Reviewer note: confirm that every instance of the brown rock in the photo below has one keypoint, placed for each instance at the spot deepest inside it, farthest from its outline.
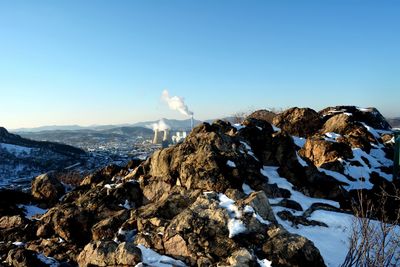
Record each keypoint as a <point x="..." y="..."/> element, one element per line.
<point x="8" y="222"/>
<point x="47" y="188"/>
<point x="262" y="114"/>
<point x="21" y="257"/>
<point x="109" y="253"/>
<point x="320" y="151"/>
<point x="286" y="249"/>
<point x="298" y="121"/>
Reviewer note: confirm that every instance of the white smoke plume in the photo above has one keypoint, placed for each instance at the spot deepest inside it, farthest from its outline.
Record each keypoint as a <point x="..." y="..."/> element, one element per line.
<point x="161" y="125"/>
<point x="176" y="103"/>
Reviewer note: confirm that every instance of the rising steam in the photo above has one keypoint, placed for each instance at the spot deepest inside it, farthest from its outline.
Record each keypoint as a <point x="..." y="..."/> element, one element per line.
<point x="161" y="125"/>
<point x="176" y="103"/>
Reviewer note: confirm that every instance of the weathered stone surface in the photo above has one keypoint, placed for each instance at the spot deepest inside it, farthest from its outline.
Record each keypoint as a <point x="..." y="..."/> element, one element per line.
<point x="109" y="253"/>
<point x="262" y="114"/>
<point x="298" y="121"/>
<point x="285" y="249"/>
<point x="320" y="151"/>
<point x="47" y="188"/>
<point x="21" y="257"/>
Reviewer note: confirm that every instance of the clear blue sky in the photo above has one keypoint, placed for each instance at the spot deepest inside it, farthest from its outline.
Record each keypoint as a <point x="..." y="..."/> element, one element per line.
<point x="107" y="62"/>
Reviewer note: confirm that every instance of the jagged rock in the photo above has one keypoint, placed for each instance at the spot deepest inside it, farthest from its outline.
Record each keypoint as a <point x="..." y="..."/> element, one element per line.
<point x="370" y="116"/>
<point x="241" y="257"/>
<point x="104" y="175"/>
<point x="290" y="204"/>
<point x="286" y="249"/>
<point x="47" y="188"/>
<point x="296" y="220"/>
<point x="107" y="228"/>
<point x="198" y="163"/>
<point x="109" y="253"/>
<point x="352" y="131"/>
<point x="201" y="231"/>
<point x="16" y="228"/>
<point x="67" y="221"/>
<point x="21" y="257"/>
<point x="263" y="114"/>
<point x="259" y="135"/>
<point x="259" y="202"/>
<point x="7" y="222"/>
<point x="322" y="152"/>
<point x="57" y="248"/>
<point x="298" y="121"/>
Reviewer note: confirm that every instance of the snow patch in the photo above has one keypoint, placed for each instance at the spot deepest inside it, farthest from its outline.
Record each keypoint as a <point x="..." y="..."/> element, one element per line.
<point x="235" y="226"/>
<point x="246" y="189"/>
<point x="32" y="210"/>
<point x="51" y="262"/>
<point x="152" y="258"/>
<point x="264" y="263"/>
<point x="18" y="244"/>
<point x="299" y="141"/>
<point x="271" y="172"/>
<point x="231" y="164"/>
<point x="301" y="161"/>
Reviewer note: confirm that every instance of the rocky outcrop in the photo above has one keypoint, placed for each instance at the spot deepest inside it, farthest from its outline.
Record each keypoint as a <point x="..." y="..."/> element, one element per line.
<point x="298" y="121"/>
<point x="47" y="188"/>
<point x="326" y="154"/>
<point x="205" y="201"/>
<point x="263" y="115"/>
<point x="287" y="249"/>
<point x="109" y="253"/>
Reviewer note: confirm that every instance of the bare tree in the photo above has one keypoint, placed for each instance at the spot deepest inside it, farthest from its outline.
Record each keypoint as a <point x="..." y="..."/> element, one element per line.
<point x="375" y="239"/>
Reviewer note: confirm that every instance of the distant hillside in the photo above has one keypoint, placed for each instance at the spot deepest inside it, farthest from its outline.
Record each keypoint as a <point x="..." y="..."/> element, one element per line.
<point x="21" y="159"/>
<point x="394" y="122"/>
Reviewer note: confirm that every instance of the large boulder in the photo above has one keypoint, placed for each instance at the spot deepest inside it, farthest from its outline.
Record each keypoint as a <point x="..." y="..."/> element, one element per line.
<point x="352" y="132"/>
<point x="47" y="188"/>
<point x="324" y="153"/>
<point x="21" y="257"/>
<point x="262" y="114"/>
<point x="286" y="249"/>
<point x="298" y="121"/>
<point x="370" y="116"/>
<point x="109" y="253"/>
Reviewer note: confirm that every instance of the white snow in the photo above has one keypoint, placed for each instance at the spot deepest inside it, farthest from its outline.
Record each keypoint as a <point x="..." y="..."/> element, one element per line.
<point x="231" y="164"/>
<point x="299" y="141"/>
<point x="305" y="201"/>
<point x="246" y="189"/>
<point x="235" y="227"/>
<point x="126" y="205"/>
<point x="48" y="260"/>
<point x="152" y="258"/>
<point x="331" y="136"/>
<point x="301" y="161"/>
<point x="247" y="146"/>
<point x="239" y="126"/>
<point x="18" y="244"/>
<point x="264" y="263"/>
<point x="276" y="129"/>
<point x="15" y="149"/>
<point x="32" y="210"/>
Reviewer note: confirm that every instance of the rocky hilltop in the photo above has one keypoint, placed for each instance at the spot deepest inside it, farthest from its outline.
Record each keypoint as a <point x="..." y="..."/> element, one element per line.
<point x="251" y="194"/>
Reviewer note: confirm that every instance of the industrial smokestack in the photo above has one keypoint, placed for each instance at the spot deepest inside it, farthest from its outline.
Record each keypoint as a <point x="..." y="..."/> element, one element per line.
<point x="167" y="136"/>
<point x="157" y="137"/>
<point x="191" y="122"/>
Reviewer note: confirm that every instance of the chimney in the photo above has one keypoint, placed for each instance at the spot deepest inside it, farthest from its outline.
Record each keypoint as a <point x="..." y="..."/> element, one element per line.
<point x="191" y="123"/>
<point x="157" y="136"/>
<point x="167" y="136"/>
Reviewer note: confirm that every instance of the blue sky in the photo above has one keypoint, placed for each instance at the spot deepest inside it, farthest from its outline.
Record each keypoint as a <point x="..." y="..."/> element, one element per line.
<point x="107" y="62"/>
